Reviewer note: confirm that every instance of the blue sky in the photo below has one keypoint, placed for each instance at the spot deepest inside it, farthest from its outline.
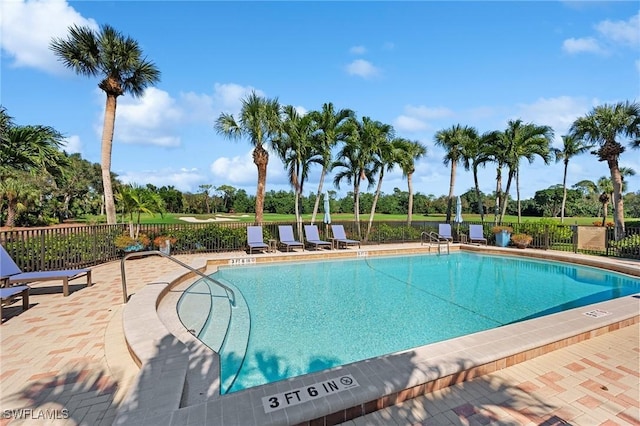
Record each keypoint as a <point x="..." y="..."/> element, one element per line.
<point x="420" y="66"/>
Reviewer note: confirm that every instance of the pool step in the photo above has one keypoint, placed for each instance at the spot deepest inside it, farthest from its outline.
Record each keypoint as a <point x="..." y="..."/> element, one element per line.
<point x="217" y="325"/>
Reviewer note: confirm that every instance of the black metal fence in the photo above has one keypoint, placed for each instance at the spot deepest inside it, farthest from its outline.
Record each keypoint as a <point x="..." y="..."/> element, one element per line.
<point x="81" y="246"/>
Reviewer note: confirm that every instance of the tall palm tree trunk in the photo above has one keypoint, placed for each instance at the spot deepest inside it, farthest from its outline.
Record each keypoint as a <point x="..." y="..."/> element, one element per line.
<point x="373" y="206"/>
<point x="518" y="195"/>
<point x="452" y="184"/>
<point x="410" y="205"/>
<point x="616" y="179"/>
<point x="316" y="205"/>
<point x="496" y="218"/>
<point x="12" y="209"/>
<point x="298" y="196"/>
<point x="477" y="186"/>
<point x="105" y="157"/>
<point x="505" y="197"/>
<point x="564" y="190"/>
<point x="605" y="212"/>
<point x="356" y="207"/>
<point x="260" y="159"/>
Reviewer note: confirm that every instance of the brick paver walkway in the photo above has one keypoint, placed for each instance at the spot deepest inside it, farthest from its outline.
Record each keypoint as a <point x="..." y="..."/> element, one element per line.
<point x="591" y="383"/>
<point x="64" y="362"/>
<point x="66" y="357"/>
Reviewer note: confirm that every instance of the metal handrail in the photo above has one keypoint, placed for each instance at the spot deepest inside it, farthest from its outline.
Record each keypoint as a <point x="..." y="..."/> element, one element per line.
<point x="232" y="299"/>
<point x="433" y="237"/>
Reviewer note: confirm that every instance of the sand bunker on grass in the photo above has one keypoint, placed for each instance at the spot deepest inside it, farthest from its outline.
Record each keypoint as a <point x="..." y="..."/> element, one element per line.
<point x="192" y="219"/>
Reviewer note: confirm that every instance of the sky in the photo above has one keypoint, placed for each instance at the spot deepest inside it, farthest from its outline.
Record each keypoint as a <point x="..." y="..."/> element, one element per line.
<point x="420" y="66"/>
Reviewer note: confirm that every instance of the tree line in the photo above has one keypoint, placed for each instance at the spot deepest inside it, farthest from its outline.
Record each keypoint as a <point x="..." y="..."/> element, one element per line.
<point x="365" y="148"/>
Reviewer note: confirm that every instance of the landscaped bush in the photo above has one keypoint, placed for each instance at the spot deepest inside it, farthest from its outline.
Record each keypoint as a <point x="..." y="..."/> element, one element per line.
<point x="629" y="245"/>
<point x="384" y="232"/>
<point x="547" y="227"/>
<point x="65" y="248"/>
<point x="210" y="238"/>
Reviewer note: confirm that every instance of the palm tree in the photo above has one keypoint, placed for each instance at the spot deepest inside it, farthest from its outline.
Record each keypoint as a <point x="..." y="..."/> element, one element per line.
<point x="331" y="126"/>
<point x="454" y="140"/>
<point x="205" y="190"/>
<point x="119" y="61"/>
<point x="6" y="122"/>
<point x="31" y="148"/>
<point x="570" y="148"/>
<point x="523" y="140"/>
<point x="356" y="160"/>
<point x="297" y="151"/>
<point x="18" y="191"/>
<point x="384" y="157"/>
<point x="477" y="153"/>
<point x="137" y="200"/>
<point x="602" y="126"/>
<point x="259" y="121"/>
<point x="409" y="152"/>
<point x="494" y="149"/>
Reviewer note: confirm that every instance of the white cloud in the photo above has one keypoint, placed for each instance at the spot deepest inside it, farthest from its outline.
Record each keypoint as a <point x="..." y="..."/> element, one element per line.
<point x="624" y="32"/>
<point x="301" y="110"/>
<point x="409" y="124"/>
<point x="149" y="120"/>
<point x="559" y="113"/>
<point x="416" y="118"/>
<point x="228" y="97"/>
<point x="238" y="170"/>
<point x="609" y="34"/>
<point x="197" y="106"/>
<point x="72" y="144"/>
<point x="362" y="68"/>
<point x="358" y="50"/>
<point x="579" y="45"/>
<point x="182" y="179"/>
<point x="27" y="28"/>
<point x="241" y="171"/>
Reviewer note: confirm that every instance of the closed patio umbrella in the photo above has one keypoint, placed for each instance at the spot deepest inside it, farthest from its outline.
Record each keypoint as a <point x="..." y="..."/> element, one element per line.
<point x="458" y="218"/>
<point x="327" y="212"/>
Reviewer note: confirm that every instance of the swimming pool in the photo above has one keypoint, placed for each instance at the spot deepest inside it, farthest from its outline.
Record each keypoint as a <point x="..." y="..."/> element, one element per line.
<point x="305" y="317"/>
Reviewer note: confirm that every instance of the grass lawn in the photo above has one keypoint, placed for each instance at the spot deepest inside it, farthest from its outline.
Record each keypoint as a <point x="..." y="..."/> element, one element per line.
<point x="346" y="217"/>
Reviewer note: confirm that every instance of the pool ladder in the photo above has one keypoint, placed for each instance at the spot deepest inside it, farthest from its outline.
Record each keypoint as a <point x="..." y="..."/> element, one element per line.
<point x="433" y="237"/>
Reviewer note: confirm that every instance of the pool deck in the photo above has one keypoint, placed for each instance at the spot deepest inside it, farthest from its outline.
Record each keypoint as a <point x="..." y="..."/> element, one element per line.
<point x="66" y="358"/>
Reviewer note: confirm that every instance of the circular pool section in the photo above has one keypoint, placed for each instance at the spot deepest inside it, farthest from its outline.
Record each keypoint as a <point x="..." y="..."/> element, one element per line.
<point x="296" y="318"/>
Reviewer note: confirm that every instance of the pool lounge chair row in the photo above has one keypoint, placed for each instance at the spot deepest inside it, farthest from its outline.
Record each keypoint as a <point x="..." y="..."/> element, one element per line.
<point x="476" y="233"/>
<point x="255" y="239"/>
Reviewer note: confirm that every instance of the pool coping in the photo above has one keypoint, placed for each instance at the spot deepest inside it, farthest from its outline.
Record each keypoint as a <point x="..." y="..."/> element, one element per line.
<point x="169" y="355"/>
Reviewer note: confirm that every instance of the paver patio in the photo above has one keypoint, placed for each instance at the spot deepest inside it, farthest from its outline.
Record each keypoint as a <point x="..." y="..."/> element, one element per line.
<point x="64" y="362"/>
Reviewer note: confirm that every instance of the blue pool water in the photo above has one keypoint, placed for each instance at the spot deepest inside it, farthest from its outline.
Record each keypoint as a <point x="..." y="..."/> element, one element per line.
<point x="306" y="317"/>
